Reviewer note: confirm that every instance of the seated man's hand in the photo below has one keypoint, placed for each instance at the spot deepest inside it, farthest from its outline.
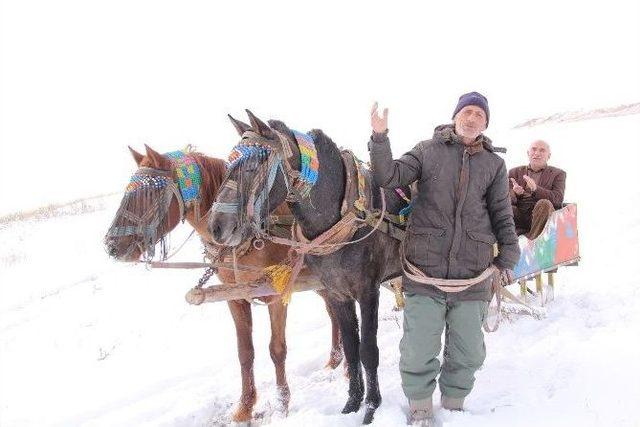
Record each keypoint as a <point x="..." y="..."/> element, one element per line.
<point x="531" y="184"/>
<point x="517" y="188"/>
<point x="379" y="124"/>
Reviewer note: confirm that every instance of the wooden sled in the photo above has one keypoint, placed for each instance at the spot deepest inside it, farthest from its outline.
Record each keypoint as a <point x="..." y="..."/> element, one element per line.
<point x="555" y="247"/>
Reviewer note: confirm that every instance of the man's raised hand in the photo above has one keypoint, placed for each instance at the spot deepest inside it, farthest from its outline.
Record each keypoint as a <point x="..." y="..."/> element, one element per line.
<point x="379" y="124"/>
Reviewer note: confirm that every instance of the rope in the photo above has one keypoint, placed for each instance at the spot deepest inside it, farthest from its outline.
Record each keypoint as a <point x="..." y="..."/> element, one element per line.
<point x="458" y="285"/>
<point x="446" y="285"/>
<point x="497" y="287"/>
<point x="303" y="247"/>
<point x="183" y="243"/>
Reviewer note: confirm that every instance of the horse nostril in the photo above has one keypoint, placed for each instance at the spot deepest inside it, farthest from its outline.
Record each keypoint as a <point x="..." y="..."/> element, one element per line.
<point x="111" y="247"/>
<point x="217" y="231"/>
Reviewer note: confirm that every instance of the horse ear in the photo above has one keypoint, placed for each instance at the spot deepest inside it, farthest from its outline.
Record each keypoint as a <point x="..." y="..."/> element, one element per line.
<point x="136" y="156"/>
<point x="241" y="127"/>
<point x="157" y="159"/>
<point x="259" y="126"/>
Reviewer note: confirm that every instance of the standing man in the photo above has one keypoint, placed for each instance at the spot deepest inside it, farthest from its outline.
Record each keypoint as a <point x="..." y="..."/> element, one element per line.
<point x="460" y="210"/>
<point x="536" y="190"/>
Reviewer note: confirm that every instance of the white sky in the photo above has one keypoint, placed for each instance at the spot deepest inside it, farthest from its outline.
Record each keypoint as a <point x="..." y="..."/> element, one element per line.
<point x="81" y="80"/>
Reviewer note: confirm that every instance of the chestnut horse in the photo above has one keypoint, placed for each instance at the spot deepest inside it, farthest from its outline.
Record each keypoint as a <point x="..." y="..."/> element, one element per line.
<point x="155" y="202"/>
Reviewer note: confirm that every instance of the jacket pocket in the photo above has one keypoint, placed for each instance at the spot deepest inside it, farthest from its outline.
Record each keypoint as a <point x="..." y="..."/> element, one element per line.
<point x="479" y="248"/>
<point x="425" y="245"/>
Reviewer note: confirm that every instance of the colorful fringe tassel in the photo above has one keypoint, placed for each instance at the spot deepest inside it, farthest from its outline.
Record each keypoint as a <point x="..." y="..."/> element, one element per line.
<point x="280" y="274"/>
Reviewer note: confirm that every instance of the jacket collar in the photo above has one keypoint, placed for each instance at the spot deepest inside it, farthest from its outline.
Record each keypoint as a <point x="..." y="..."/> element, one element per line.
<point x="445" y="134"/>
<point x="539" y="170"/>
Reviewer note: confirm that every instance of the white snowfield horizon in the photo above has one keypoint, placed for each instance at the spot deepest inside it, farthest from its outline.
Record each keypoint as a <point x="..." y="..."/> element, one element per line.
<point x="86" y="341"/>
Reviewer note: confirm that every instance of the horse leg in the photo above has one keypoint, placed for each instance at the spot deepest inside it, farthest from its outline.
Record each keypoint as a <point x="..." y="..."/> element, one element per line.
<point x="335" y="355"/>
<point x="369" y="351"/>
<point x="241" y="313"/>
<point x="345" y="312"/>
<point x="278" y="350"/>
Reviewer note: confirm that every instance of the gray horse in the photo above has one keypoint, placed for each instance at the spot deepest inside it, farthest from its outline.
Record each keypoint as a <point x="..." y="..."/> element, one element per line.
<point x="351" y="273"/>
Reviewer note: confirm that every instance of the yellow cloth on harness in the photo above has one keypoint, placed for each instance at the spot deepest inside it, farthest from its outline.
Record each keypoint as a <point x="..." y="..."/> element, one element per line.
<point x="280" y="275"/>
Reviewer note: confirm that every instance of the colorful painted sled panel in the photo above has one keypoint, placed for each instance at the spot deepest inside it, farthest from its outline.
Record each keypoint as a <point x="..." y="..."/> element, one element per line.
<point x="557" y="245"/>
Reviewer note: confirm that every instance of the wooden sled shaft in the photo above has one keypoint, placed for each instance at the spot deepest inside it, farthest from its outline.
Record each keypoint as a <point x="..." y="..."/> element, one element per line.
<point x="246" y="291"/>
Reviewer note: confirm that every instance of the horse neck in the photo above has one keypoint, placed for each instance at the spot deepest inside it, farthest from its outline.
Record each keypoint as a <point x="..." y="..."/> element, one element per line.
<point x="212" y="170"/>
<point x="327" y="193"/>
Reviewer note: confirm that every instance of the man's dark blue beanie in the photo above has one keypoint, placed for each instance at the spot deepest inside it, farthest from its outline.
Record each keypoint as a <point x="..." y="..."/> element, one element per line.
<point x="472" y="98"/>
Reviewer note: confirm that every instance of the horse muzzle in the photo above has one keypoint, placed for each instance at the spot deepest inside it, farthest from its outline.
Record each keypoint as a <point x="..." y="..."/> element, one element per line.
<point x="224" y="229"/>
<point x="124" y="249"/>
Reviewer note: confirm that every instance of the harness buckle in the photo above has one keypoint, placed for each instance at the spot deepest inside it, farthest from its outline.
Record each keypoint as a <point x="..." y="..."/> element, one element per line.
<point x="292" y="196"/>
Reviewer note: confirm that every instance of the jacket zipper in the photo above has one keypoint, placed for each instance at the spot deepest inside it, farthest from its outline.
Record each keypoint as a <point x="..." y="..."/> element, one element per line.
<point x="461" y="195"/>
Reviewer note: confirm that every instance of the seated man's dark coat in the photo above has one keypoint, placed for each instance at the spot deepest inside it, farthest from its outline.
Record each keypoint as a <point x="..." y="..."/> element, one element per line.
<point x="550" y="186"/>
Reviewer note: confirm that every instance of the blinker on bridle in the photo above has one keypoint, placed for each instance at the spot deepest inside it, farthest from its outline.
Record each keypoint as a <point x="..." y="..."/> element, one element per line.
<point x="273" y="156"/>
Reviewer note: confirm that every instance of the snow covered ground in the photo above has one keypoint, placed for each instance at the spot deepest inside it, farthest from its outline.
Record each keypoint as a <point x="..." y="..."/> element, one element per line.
<point x="87" y="341"/>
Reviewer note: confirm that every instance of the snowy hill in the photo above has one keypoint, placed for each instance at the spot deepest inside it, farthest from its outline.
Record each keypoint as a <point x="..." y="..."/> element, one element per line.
<point x="86" y="341"/>
<point x="576" y="116"/>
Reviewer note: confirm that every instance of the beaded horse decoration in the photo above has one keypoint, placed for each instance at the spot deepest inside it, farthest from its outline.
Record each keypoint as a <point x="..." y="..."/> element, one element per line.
<point x="147" y="198"/>
<point x="308" y="163"/>
<point x="189" y="177"/>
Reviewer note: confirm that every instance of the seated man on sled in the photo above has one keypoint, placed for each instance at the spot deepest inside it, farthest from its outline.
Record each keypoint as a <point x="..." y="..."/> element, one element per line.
<point x="537" y="189"/>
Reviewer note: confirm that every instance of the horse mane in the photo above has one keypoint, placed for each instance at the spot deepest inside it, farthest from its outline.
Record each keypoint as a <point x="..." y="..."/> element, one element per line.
<point x="321" y="140"/>
<point x="213" y="171"/>
<point x="280" y="127"/>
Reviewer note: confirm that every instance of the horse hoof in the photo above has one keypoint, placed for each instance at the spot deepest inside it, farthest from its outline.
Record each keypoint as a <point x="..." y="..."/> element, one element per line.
<point x="353" y="404"/>
<point x="368" y="416"/>
<point x="242" y="415"/>
<point x="282" y="406"/>
<point x="335" y="359"/>
<point x="333" y="363"/>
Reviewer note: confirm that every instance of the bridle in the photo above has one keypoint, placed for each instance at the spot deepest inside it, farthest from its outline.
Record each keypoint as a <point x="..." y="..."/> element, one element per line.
<point x="147" y="224"/>
<point x="279" y="158"/>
